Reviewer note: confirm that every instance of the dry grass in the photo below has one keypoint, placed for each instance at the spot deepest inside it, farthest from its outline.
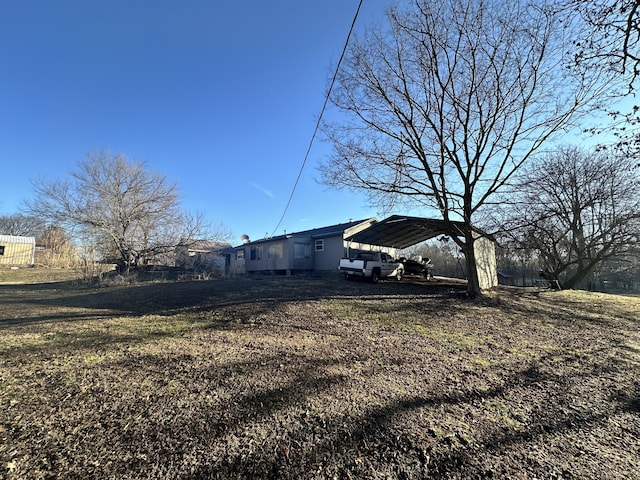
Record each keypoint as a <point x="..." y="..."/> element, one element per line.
<point x="32" y="275"/>
<point x="316" y="378"/>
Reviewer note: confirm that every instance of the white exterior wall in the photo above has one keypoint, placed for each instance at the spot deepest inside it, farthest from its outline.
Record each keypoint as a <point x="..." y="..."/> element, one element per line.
<point x="485" y="250"/>
<point x="17" y="250"/>
<point x="354" y="246"/>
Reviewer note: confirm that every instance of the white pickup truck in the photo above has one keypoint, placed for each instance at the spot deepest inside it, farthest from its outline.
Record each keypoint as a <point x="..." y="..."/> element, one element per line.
<point x="372" y="266"/>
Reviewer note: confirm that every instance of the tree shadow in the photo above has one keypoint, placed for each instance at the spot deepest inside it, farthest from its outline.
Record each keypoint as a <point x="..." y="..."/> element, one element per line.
<point x="297" y="444"/>
<point x="555" y="309"/>
<point x="348" y="443"/>
<point x="167" y="299"/>
<point x="303" y="444"/>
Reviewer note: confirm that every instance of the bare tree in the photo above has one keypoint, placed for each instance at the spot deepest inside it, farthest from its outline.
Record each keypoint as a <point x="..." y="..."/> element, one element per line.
<point x="577" y="210"/>
<point x="58" y="248"/>
<point x="446" y="104"/>
<point x="130" y="212"/>
<point x="611" y="36"/>
<point x="20" y="225"/>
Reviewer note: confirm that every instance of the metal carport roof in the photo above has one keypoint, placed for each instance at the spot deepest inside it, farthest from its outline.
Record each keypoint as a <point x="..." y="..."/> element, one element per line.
<point x="399" y="231"/>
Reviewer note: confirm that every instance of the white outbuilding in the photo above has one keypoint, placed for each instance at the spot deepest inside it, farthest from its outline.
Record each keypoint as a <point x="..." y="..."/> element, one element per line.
<point x="15" y="250"/>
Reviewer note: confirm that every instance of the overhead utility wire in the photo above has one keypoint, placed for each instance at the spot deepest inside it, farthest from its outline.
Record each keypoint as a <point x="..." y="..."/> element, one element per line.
<point x="324" y="106"/>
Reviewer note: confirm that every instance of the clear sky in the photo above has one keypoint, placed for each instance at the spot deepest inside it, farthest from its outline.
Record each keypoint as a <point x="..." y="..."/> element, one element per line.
<point x="220" y="96"/>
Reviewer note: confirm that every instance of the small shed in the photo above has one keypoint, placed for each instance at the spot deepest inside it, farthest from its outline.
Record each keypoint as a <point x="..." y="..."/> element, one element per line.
<point x="16" y="250"/>
<point x="505" y="279"/>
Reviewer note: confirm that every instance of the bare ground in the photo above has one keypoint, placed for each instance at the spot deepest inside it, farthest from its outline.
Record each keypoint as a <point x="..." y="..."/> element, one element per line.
<point x="316" y="378"/>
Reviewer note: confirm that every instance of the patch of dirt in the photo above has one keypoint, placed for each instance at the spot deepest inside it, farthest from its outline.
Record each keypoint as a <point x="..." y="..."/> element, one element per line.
<point x="316" y="378"/>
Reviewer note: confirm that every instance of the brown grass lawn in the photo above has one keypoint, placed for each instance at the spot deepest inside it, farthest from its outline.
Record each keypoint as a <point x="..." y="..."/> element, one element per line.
<point x="31" y="275"/>
<point x="316" y="378"/>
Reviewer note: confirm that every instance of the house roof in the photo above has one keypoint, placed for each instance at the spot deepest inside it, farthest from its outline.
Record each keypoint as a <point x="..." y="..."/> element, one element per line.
<point x="206" y="246"/>
<point x="334" y="229"/>
<point x="400" y="231"/>
<point x="321" y="232"/>
<point x="17" y="239"/>
<point x="396" y="231"/>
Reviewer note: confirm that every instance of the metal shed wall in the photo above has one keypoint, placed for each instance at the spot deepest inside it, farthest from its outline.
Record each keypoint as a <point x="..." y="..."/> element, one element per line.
<point x="15" y="250"/>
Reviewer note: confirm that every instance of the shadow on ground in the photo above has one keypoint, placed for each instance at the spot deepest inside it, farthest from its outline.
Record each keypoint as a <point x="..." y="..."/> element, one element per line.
<point x="172" y="297"/>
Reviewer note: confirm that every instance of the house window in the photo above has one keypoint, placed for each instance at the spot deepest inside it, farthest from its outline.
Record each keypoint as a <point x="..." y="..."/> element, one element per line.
<point x="256" y="252"/>
<point x="1" y="249"/>
<point x="319" y="245"/>
<point x="274" y="250"/>
<point x="240" y="254"/>
<point x="301" y="250"/>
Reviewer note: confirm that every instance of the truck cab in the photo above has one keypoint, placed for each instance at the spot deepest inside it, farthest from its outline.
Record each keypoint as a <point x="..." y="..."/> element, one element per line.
<point x="372" y="266"/>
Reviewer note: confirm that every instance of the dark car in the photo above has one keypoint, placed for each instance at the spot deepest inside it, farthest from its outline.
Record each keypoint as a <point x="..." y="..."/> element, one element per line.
<point x="417" y="266"/>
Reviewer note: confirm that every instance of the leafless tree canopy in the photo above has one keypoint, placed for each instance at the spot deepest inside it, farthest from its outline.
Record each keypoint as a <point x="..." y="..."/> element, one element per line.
<point x="130" y="212"/>
<point x="612" y="34"/>
<point x="21" y="225"/>
<point x="577" y="209"/>
<point x="59" y="250"/>
<point x="442" y="107"/>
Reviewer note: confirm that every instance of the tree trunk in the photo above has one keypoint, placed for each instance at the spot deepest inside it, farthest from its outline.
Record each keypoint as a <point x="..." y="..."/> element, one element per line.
<point x="578" y="276"/>
<point x="473" y="281"/>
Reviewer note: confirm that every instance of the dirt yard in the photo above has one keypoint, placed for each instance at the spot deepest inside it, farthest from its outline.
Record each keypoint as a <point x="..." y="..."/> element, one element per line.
<point x="316" y="378"/>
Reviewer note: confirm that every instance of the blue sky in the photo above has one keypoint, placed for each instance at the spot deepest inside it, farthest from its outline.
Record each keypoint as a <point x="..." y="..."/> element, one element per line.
<point x="220" y="96"/>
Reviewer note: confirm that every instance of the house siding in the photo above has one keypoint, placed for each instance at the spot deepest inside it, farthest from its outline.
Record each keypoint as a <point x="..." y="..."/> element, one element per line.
<point x="16" y="250"/>
<point x="328" y="259"/>
<point x="237" y="262"/>
<point x="301" y="263"/>
<point x="299" y="252"/>
<point x="265" y="256"/>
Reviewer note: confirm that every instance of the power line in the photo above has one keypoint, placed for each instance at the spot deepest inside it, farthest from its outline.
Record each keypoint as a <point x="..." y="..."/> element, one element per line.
<point x="324" y="106"/>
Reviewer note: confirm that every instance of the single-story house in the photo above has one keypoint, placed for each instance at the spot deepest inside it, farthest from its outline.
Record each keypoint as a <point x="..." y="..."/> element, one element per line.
<point x="206" y="255"/>
<point x="16" y="250"/>
<point x="318" y="250"/>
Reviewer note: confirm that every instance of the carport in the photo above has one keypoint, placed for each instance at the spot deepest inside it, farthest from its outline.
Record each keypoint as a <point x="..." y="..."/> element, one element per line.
<point x="400" y="231"/>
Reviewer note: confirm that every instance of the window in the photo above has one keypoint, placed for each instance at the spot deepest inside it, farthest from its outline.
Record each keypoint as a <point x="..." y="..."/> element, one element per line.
<point x="240" y="254"/>
<point x="1" y="249"/>
<point x="319" y="245"/>
<point x="275" y="250"/>
<point x="256" y="252"/>
<point x="301" y="250"/>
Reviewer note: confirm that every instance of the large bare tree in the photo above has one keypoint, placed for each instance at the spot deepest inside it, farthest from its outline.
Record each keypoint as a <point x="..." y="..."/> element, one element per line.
<point x="444" y="105"/>
<point x="577" y="209"/>
<point x="21" y="225"/>
<point x="130" y="212"/>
